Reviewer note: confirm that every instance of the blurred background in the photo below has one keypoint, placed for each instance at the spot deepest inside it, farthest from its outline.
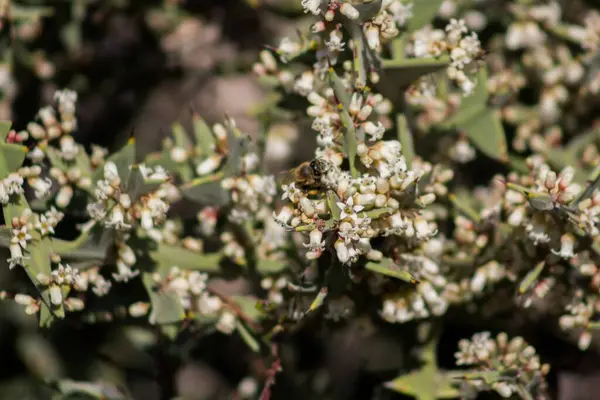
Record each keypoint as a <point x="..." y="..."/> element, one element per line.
<point x="138" y="66"/>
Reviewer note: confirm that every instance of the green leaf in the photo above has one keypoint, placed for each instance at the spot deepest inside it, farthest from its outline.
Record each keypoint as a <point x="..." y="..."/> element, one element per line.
<point x="123" y="159"/>
<point x="531" y="277"/>
<point x="428" y="382"/>
<point x="368" y="9"/>
<point x="83" y="162"/>
<point x="181" y="138"/>
<point x="248" y="307"/>
<point x="405" y="138"/>
<point x="488" y="377"/>
<point x="55" y="158"/>
<point x="332" y="200"/>
<point x="248" y="338"/>
<point x="38" y="250"/>
<point x="487" y="134"/>
<point x="388" y="268"/>
<point x="464" y="208"/>
<point x="205" y="139"/>
<point x="74" y="389"/>
<point x="480" y="122"/>
<point x="236" y="148"/>
<point x="342" y="93"/>
<point x="4" y="129"/>
<point x="319" y="300"/>
<point x="28" y="13"/>
<point x="86" y="250"/>
<point x="137" y="185"/>
<point x="424" y="11"/>
<point x="271" y="266"/>
<point x="380" y="212"/>
<point x="590" y="189"/>
<point x="350" y="142"/>
<point x="167" y="256"/>
<point x="11" y="158"/>
<point x="398" y="74"/>
<point x="166" y="307"/>
<point x="206" y="190"/>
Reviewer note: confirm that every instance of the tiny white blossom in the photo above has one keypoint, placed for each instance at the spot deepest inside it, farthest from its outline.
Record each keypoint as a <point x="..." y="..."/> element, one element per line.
<point x="311" y="6"/>
<point x="349" y="209"/>
<point x="21" y="236"/>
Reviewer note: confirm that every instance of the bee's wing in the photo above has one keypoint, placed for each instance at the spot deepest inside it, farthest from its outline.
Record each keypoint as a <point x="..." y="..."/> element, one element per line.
<point x="286" y="177"/>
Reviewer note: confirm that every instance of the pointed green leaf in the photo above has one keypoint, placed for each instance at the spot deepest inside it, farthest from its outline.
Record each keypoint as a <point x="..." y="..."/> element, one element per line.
<point x="388" y="268"/>
<point x="236" y="146"/>
<point x="319" y="300"/>
<point x="271" y="266"/>
<point x="398" y="74"/>
<point x="464" y="208"/>
<point x="248" y="307"/>
<point x="123" y="159"/>
<point x="206" y="190"/>
<point x="380" y="212"/>
<point x="423" y="13"/>
<point x="248" y="338"/>
<point x="531" y="277"/>
<point x="405" y="138"/>
<point x="4" y="129"/>
<point x="342" y="93"/>
<point x="181" y="138"/>
<point x="350" y="142"/>
<point x="138" y="186"/>
<point x="205" y="139"/>
<point x="55" y="158"/>
<point x="166" y="307"/>
<point x="167" y="256"/>
<point x="332" y="200"/>
<point x="487" y="134"/>
<point x="11" y="158"/>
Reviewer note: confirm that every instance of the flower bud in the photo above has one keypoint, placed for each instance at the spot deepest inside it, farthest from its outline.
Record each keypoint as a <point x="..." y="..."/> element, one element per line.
<point x="349" y="11"/>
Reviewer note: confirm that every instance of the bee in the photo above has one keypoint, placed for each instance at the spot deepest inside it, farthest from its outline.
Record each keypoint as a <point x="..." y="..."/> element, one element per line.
<point x="308" y="174"/>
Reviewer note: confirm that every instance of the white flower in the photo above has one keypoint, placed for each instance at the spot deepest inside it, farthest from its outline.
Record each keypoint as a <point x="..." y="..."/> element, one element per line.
<point x="312" y="6"/>
<point x="13" y="183"/>
<point x="56" y="297"/>
<point x="349" y="11"/>
<point x="349" y="210"/>
<point x="316" y="244"/>
<point x="342" y="251"/>
<point x="36" y="155"/>
<point x="284" y="216"/>
<point x="401" y="12"/>
<point x="41" y="186"/>
<point x="44" y="225"/>
<point x="125" y="273"/>
<point x="462" y="152"/>
<point x="21" y="236"/>
<point x="247" y="388"/>
<point x="64" y="196"/>
<point x="226" y="323"/>
<point x="68" y="148"/>
<point x="3" y="194"/>
<point x="335" y="42"/>
<point x="567" y="244"/>
<point x="375" y="131"/>
<point x="287" y="48"/>
<point x="16" y="254"/>
<point x="117" y="219"/>
<point x="111" y="173"/>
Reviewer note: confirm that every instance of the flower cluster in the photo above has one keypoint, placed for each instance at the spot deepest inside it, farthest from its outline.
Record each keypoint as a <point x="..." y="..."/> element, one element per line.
<point x="516" y="363"/>
<point x="115" y="207"/>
